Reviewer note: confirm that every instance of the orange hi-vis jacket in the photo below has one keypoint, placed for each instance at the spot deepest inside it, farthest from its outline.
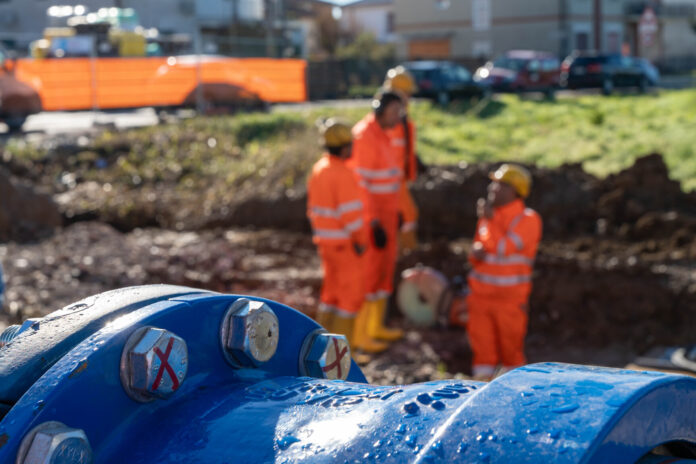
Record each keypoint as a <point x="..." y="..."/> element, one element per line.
<point x="334" y="206"/>
<point x="376" y="167"/>
<point x="401" y="144"/>
<point x="510" y="239"/>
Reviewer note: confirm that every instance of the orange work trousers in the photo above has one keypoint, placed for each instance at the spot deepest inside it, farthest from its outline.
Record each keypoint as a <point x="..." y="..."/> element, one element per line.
<point x="380" y="265"/>
<point x="496" y="328"/>
<point x="343" y="287"/>
<point x="407" y="209"/>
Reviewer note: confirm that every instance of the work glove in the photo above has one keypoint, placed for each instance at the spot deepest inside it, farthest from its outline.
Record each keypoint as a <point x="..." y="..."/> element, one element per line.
<point x="358" y="248"/>
<point x="378" y="234"/>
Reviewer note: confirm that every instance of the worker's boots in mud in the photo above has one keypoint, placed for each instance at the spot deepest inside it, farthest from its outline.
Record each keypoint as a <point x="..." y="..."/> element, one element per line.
<point x="337" y="323"/>
<point x="362" y="341"/>
<point x="376" y="311"/>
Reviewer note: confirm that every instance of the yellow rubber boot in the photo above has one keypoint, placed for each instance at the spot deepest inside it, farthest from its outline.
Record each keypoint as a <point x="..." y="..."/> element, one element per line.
<point x="361" y="339"/>
<point x="375" y="323"/>
<point x="325" y="319"/>
<point x="343" y="325"/>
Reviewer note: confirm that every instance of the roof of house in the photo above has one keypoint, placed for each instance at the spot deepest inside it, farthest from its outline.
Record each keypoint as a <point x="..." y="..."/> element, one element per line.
<point x="357" y="3"/>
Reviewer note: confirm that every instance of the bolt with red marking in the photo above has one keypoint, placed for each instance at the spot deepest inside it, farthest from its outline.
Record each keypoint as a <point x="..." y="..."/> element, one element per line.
<point x="326" y="356"/>
<point x="153" y="364"/>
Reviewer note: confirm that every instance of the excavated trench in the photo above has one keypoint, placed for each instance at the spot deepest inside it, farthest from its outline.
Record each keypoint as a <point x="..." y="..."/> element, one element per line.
<point x="615" y="275"/>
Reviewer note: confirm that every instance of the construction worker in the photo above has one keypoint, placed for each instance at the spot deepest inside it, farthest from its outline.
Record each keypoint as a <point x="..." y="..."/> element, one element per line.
<point x="503" y="252"/>
<point x="403" y="138"/>
<point x="379" y="176"/>
<point x="335" y="210"/>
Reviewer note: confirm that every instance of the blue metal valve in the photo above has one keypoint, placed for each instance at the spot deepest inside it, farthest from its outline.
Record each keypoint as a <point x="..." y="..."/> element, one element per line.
<point x="170" y="346"/>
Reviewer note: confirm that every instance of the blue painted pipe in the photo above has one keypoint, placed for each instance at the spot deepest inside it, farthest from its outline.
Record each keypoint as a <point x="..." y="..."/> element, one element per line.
<point x="535" y="414"/>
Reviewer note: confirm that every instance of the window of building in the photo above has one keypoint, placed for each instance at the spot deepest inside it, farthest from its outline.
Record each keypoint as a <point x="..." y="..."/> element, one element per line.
<point x="442" y="4"/>
<point x="582" y="40"/>
<point x="390" y="22"/>
<point x="613" y="42"/>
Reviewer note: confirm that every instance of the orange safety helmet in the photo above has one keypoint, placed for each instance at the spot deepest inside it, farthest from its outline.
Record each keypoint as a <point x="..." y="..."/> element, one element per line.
<point x="401" y="80"/>
<point x="515" y="176"/>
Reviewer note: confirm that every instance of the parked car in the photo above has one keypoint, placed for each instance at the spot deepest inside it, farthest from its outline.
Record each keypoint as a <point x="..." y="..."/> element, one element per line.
<point x="521" y="71"/>
<point x="652" y="73"/>
<point x="444" y="81"/>
<point x="606" y="72"/>
<point x="17" y="99"/>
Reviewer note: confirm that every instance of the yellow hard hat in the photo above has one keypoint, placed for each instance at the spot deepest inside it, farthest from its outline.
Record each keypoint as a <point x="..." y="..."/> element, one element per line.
<point x="335" y="133"/>
<point x="400" y="79"/>
<point x="514" y="175"/>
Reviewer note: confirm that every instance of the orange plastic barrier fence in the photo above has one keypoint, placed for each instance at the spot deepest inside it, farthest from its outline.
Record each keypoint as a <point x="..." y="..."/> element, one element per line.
<point x="84" y="83"/>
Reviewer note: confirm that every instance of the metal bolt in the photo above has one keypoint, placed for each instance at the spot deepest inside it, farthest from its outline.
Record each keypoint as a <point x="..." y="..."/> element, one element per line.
<point x="55" y="443"/>
<point x="326" y="356"/>
<point x="249" y="333"/>
<point x="153" y="364"/>
<point x="11" y="332"/>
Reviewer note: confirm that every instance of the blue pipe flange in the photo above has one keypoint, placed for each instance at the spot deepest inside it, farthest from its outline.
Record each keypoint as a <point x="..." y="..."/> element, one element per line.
<point x="281" y="406"/>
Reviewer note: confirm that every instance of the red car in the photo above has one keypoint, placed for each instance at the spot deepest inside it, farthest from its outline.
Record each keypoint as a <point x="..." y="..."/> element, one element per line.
<point x="522" y="71"/>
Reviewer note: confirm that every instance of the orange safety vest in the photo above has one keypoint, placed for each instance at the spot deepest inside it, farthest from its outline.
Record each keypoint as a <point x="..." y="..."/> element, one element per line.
<point x="334" y="207"/>
<point x="510" y="239"/>
<point x="376" y="167"/>
<point x="405" y="148"/>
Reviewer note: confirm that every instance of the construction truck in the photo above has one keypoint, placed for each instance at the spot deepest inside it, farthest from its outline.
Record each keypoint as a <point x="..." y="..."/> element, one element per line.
<point x="18" y="100"/>
<point x="109" y="32"/>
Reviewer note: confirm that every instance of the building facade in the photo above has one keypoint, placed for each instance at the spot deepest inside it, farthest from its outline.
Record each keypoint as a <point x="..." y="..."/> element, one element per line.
<point x="372" y="16"/>
<point x="485" y="28"/>
<point x="22" y="21"/>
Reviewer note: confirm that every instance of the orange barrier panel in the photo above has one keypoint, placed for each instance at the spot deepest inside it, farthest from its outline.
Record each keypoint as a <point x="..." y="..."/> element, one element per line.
<point x="82" y="83"/>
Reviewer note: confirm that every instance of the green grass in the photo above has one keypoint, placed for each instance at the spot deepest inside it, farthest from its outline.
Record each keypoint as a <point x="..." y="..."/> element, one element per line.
<point x="275" y="150"/>
<point x="604" y="134"/>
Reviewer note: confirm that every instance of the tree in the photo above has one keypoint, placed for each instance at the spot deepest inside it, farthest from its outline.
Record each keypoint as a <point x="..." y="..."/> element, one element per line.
<point x="366" y="45"/>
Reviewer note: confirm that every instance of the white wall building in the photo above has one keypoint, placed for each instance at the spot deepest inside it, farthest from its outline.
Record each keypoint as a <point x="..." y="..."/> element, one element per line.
<point x="374" y="16"/>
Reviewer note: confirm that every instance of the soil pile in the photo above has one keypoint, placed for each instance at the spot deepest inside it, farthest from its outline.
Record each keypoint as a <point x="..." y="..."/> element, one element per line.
<point x="25" y="214"/>
<point x="635" y="204"/>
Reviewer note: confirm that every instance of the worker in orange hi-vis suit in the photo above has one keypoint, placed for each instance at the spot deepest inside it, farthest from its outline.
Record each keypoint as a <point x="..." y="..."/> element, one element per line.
<point x="379" y="176"/>
<point x="503" y="252"/>
<point x="335" y="210"/>
<point x="403" y="137"/>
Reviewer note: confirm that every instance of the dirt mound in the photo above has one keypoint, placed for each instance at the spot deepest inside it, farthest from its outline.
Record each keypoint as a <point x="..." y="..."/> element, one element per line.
<point x="633" y="204"/>
<point x="25" y="214"/>
<point x="90" y="257"/>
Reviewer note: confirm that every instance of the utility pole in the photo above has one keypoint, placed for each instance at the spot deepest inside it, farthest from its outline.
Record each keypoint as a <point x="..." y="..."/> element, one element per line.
<point x="563" y="29"/>
<point x="598" y="25"/>
<point x="234" y="30"/>
<point x="269" y="11"/>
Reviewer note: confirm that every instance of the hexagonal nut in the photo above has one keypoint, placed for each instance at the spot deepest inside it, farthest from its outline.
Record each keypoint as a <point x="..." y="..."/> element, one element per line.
<point x="328" y="357"/>
<point x="249" y="333"/>
<point x="156" y="364"/>
<point x="53" y="442"/>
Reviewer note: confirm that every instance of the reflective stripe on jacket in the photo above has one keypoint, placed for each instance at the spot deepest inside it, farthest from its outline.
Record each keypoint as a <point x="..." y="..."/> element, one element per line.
<point x="376" y="167"/>
<point x="334" y="206"/>
<point x="510" y="239"/>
